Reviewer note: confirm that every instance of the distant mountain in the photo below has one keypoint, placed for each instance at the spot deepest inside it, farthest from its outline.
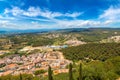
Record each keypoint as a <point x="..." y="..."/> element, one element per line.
<point x="85" y="29"/>
<point x="73" y="30"/>
<point x="2" y="31"/>
<point x="67" y="30"/>
<point x="104" y="28"/>
<point x="14" y="31"/>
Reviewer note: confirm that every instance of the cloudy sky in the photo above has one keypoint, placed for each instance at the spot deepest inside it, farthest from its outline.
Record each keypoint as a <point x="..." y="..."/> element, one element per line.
<point x="41" y="14"/>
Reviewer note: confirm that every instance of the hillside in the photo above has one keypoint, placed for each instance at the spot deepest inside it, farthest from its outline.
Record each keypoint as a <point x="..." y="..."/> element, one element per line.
<point x="115" y="39"/>
<point x="92" y="51"/>
<point x="100" y="60"/>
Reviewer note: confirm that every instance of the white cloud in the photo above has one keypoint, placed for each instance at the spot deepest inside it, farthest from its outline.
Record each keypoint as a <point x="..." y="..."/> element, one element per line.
<point x="15" y="11"/>
<point x="108" y="22"/>
<point x="32" y="12"/>
<point x="108" y="17"/>
<point x="3" y="23"/>
<point x="36" y="11"/>
<point x="1" y="16"/>
<point x="79" y="23"/>
<point x="7" y="24"/>
<point x="111" y="14"/>
<point x="73" y="14"/>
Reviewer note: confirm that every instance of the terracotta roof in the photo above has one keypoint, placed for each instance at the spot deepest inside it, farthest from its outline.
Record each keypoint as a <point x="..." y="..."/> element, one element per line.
<point x="7" y="72"/>
<point x="11" y="65"/>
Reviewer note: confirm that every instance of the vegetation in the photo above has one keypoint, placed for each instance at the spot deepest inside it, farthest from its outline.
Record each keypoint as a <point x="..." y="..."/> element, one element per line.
<point x="20" y="76"/>
<point x="70" y="72"/>
<point x="50" y="77"/>
<point x="2" y="65"/>
<point x="99" y="61"/>
<point x="80" y="72"/>
<point x="18" y="41"/>
<point x="38" y="72"/>
<point x="94" y="51"/>
<point x="94" y="70"/>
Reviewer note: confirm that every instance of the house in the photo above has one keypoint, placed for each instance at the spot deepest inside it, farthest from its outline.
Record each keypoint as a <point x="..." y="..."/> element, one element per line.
<point x="7" y="72"/>
<point x="11" y="67"/>
<point x="60" y="71"/>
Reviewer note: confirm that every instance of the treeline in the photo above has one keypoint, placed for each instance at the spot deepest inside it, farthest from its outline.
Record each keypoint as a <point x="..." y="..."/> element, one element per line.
<point x="94" y="70"/>
<point x="93" y="51"/>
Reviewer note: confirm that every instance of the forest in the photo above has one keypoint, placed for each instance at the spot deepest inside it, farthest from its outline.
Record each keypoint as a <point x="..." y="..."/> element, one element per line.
<point x="92" y="51"/>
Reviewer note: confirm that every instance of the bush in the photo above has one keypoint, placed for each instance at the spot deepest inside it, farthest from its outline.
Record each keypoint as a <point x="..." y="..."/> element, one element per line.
<point x="38" y="72"/>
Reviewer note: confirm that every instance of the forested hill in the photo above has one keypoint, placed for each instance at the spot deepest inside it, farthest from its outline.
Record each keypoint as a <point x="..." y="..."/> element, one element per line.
<point x="92" y="51"/>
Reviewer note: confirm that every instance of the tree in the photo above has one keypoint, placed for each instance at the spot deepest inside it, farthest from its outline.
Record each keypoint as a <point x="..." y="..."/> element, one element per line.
<point x="70" y="72"/>
<point x="20" y="76"/>
<point x="50" y="77"/>
<point x="80" y="72"/>
<point x="38" y="72"/>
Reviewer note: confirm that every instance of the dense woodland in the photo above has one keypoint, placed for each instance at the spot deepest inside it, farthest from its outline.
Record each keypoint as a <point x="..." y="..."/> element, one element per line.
<point x="95" y="51"/>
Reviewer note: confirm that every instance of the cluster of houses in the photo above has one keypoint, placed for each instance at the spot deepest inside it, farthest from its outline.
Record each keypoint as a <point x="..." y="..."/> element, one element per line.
<point x="46" y="55"/>
<point x="16" y="64"/>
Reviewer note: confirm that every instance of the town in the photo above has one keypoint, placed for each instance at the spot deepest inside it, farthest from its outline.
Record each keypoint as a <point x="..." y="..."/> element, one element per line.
<point x="29" y="64"/>
<point x="30" y="59"/>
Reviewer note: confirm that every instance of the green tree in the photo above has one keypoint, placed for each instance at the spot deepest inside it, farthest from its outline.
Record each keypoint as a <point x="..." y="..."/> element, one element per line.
<point x="80" y="71"/>
<point x="50" y="77"/>
<point x="70" y="72"/>
<point x="20" y="76"/>
<point x="38" y="72"/>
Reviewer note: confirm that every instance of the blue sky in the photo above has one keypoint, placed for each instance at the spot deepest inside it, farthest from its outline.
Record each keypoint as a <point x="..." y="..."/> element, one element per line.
<point x="41" y="14"/>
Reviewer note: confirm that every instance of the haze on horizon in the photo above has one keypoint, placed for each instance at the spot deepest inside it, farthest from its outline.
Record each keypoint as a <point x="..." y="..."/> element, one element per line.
<point x="52" y="14"/>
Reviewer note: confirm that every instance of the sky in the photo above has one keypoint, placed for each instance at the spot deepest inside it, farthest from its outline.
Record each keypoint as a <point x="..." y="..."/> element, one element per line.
<point x="54" y="14"/>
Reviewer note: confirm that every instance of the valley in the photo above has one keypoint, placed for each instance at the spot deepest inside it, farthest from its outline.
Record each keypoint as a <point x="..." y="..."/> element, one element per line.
<point x="32" y="53"/>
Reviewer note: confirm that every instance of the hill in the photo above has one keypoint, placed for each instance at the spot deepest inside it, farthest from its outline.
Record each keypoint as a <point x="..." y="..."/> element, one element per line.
<point x="94" y="51"/>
